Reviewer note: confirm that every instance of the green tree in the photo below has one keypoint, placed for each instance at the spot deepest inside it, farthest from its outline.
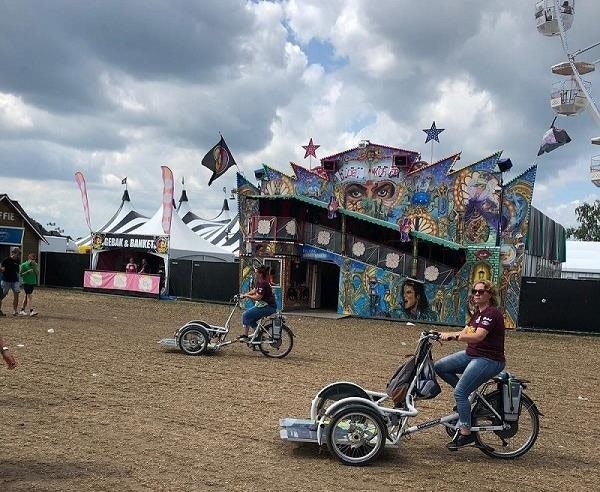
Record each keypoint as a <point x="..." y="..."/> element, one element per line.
<point x="588" y="218"/>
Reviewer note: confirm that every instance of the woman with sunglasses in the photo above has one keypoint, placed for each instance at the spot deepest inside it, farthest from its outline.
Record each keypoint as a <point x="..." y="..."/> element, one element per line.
<point x="483" y="358"/>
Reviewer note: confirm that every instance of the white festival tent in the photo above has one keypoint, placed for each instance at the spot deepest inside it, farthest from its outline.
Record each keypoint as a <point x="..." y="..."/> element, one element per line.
<point x="582" y="258"/>
<point x="183" y="243"/>
<point x="198" y="224"/>
<point x="227" y="236"/>
<point x="125" y="220"/>
<point x="223" y="230"/>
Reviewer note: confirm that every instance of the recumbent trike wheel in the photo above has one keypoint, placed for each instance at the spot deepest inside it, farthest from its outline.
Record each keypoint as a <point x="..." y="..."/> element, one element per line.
<point x="193" y="340"/>
<point x="356" y="435"/>
<point x="513" y="441"/>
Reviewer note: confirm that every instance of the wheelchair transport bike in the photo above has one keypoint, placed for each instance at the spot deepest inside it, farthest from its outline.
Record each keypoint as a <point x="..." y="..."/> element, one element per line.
<point x="356" y="424"/>
<point x="272" y="336"/>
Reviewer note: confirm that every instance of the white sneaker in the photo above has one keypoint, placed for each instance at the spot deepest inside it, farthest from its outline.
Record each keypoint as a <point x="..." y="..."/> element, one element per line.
<point x="22" y="312"/>
<point x="33" y="312"/>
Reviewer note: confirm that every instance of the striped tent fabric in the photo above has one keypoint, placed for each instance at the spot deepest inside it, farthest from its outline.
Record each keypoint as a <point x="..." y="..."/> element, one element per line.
<point x="227" y="236"/>
<point x="125" y="220"/>
<point x="222" y="230"/>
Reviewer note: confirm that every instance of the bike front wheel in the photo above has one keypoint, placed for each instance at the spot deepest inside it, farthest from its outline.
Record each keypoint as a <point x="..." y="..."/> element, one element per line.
<point x="274" y="347"/>
<point x="511" y="442"/>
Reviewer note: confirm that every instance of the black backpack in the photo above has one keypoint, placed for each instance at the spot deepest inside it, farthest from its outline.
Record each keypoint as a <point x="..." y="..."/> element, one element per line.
<point x="427" y="385"/>
<point x="398" y="385"/>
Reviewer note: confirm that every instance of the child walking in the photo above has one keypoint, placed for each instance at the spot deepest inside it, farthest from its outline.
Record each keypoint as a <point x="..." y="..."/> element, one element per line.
<point x="29" y="272"/>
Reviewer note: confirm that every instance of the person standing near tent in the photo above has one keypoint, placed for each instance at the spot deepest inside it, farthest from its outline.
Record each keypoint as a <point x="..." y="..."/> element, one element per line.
<point x="29" y="271"/>
<point x="131" y="267"/>
<point x="145" y="268"/>
<point x="9" y="278"/>
<point x="264" y="302"/>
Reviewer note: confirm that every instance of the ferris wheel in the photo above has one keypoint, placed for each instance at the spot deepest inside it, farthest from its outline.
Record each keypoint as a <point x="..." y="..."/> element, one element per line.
<point x="571" y="95"/>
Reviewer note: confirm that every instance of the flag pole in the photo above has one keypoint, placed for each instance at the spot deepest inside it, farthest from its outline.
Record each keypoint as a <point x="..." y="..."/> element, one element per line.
<point x="431" y="161"/>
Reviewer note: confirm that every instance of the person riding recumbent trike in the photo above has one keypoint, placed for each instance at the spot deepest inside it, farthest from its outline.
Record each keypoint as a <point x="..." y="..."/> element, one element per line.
<point x="272" y="336"/>
<point x="356" y="424"/>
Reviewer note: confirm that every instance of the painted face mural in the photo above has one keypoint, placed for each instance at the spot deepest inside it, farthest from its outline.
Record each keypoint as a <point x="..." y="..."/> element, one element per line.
<point x="357" y="195"/>
<point x="410" y="298"/>
<point x="415" y="304"/>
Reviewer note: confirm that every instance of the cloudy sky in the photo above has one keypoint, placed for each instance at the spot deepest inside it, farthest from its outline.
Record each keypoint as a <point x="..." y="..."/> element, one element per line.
<point x="118" y="88"/>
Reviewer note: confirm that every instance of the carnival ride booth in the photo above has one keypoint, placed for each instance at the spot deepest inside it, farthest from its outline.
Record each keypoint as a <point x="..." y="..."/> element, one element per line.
<point x="318" y="260"/>
<point x="111" y="253"/>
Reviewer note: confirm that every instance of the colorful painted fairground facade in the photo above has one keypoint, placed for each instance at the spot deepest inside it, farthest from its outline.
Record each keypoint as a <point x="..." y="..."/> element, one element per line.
<point x="375" y="232"/>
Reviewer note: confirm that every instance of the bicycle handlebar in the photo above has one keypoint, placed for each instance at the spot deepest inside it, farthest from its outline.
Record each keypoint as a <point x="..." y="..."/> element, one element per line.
<point x="431" y="334"/>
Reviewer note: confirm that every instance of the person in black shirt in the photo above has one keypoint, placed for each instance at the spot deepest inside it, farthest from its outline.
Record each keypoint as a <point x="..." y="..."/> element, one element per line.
<point x="265" y="304"/>
<point x="9" y="279"/>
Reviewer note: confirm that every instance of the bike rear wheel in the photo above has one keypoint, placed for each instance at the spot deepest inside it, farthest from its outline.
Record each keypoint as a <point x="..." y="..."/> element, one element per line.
<point x="273" y="347"/>
<point x="511" y="442"/>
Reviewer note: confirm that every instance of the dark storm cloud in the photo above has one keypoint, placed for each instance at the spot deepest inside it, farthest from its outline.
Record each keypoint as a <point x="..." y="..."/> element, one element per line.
<point x="42" y="161"/>
<point x="54" y="53"/>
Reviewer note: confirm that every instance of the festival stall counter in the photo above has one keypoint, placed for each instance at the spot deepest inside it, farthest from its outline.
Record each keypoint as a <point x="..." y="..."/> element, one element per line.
<point x="129" y="282"/>
<point x="110" y="254"/>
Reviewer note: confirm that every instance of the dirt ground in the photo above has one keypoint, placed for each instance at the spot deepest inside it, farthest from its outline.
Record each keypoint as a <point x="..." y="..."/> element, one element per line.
<point x="99" y="405"/>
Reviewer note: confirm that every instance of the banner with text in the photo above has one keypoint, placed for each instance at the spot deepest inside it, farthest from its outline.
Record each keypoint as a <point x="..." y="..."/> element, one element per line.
<point x="153" y="244"/>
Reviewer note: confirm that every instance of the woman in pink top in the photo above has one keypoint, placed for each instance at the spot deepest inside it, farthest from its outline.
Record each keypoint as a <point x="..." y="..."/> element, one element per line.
<point x="131" y="266"/>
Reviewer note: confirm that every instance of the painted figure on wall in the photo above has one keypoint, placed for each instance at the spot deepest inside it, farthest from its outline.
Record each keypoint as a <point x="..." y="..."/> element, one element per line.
<point x="332" y="207"/>
<point x="364" y="196"/>
<point x="415" y="304"/>
<point x="477" y="195"/>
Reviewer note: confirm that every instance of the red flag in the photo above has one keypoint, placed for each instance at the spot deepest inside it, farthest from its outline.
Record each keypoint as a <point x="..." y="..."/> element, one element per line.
<point x="84" y="199"/>
<point x="168" y="186"/>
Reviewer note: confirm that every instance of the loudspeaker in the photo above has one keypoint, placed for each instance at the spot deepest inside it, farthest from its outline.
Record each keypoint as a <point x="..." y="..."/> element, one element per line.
<point x="504" y="165"/>
<point x="401" y="161"/>
<point x="330" y="165"/>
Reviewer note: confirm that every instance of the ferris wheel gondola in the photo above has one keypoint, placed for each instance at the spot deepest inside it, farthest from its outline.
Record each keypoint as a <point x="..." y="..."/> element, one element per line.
<point x="571" y="96"/>
<point x="547" y="14"/>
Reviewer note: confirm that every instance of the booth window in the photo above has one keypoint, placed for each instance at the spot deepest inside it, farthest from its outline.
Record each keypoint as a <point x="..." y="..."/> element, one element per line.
<point x="275" y="267"/>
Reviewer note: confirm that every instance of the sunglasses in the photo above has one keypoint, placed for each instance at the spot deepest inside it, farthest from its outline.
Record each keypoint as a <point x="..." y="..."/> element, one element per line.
<point x="478" y="291"/>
